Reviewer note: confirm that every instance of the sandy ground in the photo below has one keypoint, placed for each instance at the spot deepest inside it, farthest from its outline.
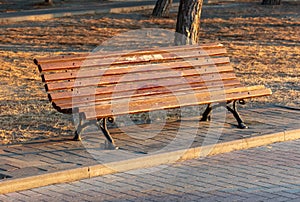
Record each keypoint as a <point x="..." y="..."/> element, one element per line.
<point x="263" y="43"/>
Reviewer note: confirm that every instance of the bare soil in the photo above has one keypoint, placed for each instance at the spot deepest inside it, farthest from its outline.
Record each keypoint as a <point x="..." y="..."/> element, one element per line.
<point x="263" y="43"/>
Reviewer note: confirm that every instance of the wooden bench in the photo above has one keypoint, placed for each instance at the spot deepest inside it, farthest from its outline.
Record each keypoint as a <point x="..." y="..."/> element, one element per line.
<point x="101" y="86"/>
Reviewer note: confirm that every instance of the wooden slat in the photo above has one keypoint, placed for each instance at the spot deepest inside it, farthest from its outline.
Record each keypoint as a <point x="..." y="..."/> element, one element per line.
<point x="178" y="93"/>
<point x="129" y="59"/>
<point x="131" y="87"/>
<point x="103" y="54"/>
<point x="79" y="92"/>
<point x="91" y="100"/>
<point x="103" y="80"/>
<point x="95" y="72"/>
<point x="120" y="108"/>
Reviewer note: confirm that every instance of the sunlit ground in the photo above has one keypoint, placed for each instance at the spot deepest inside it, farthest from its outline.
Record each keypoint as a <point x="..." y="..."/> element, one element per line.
<point x="262" y="41"/>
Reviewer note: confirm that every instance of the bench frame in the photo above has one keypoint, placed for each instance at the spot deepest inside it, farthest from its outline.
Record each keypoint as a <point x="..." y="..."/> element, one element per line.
<point x="101" y="122"/>
<point x="206" y="116"/>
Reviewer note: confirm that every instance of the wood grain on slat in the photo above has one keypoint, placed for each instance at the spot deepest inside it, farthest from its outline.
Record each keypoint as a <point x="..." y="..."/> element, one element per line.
<point x="210" y="90"/>
<point x="103" y="54"/>
<point x="120" y="78"/>
<point x="132" y="86"/>
<point x="136" y="106"/>
<point x="132" y="78"/>
<point x="94" y="72"/>
<point x="192" y="80"/>
<point x="129" y="59"/>
<point x="159" y="91"/>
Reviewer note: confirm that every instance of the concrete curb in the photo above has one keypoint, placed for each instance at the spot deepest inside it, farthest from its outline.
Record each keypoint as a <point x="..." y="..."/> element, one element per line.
<point x="144" y="162"/>
<point x="48" y="16"/>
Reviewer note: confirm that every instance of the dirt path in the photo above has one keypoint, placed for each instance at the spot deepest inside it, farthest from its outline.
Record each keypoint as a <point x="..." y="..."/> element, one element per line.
<point x="19" y="5"/>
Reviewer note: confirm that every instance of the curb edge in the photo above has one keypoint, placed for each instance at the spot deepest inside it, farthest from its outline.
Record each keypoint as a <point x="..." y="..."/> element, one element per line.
<point x="144" y="162"/>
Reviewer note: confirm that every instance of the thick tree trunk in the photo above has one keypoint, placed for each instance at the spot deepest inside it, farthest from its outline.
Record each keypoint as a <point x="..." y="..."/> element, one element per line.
<point x="271" y="2"/>
<point x="188" y="22"/>
<point x="162" y="8"/>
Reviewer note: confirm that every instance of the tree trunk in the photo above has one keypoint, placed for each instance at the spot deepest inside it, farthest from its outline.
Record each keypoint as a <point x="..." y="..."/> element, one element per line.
<point x="49" y="1"/>
<point x="162" y="8"/>
<point x="271" y="2"/>
<point x="188" y="22"/>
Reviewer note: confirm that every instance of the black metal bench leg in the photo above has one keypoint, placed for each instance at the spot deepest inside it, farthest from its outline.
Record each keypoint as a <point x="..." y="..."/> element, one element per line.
<point x="102" y="124"/>
<point x="206" y="116"/>
<point x="80" y="127"/>
<point x="206" y="113"/>
<point x="76" y="136"/>
<point x="236" y="115"/>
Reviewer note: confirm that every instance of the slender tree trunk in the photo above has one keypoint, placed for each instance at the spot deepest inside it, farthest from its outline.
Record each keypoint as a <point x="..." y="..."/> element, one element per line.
<point x="188" y="22"/>
<point x="162" y="8"/>
<point x="49" y="1"/>
<point x="271" y="2"/>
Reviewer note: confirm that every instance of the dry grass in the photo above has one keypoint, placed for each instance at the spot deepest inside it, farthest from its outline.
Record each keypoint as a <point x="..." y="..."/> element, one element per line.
<point x="263" y="43"/>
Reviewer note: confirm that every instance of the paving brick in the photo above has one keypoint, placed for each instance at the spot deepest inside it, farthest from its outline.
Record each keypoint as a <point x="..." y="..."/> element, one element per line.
<point x="263" y="193"/>
<point x="16" y="197"/>
<point x="32" y="194"/>
<point x="51" y="155"/>
<point x="247" y="196"/>
<point x="277" y="199"/>
<point x="45" y="191"/>
<point x="233" y="197"/>
<point x="286" y="194"/>
<point x="9" y="167"/>
<point x="293" y="190"/>
<point x="86" y="186"/>
<point x="295" y="200"/>
<point x="3" y="197"/>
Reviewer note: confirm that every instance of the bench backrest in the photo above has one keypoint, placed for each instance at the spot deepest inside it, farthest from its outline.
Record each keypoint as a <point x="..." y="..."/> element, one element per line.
<point x="76" y="81"/>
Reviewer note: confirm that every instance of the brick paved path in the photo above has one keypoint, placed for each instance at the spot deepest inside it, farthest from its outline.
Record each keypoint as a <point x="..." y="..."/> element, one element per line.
<point x="270" y="173"/>
<point x="46" y="156"/>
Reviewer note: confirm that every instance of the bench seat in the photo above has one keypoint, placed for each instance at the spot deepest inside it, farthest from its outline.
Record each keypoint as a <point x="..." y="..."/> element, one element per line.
<point x="103" y="85"/>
